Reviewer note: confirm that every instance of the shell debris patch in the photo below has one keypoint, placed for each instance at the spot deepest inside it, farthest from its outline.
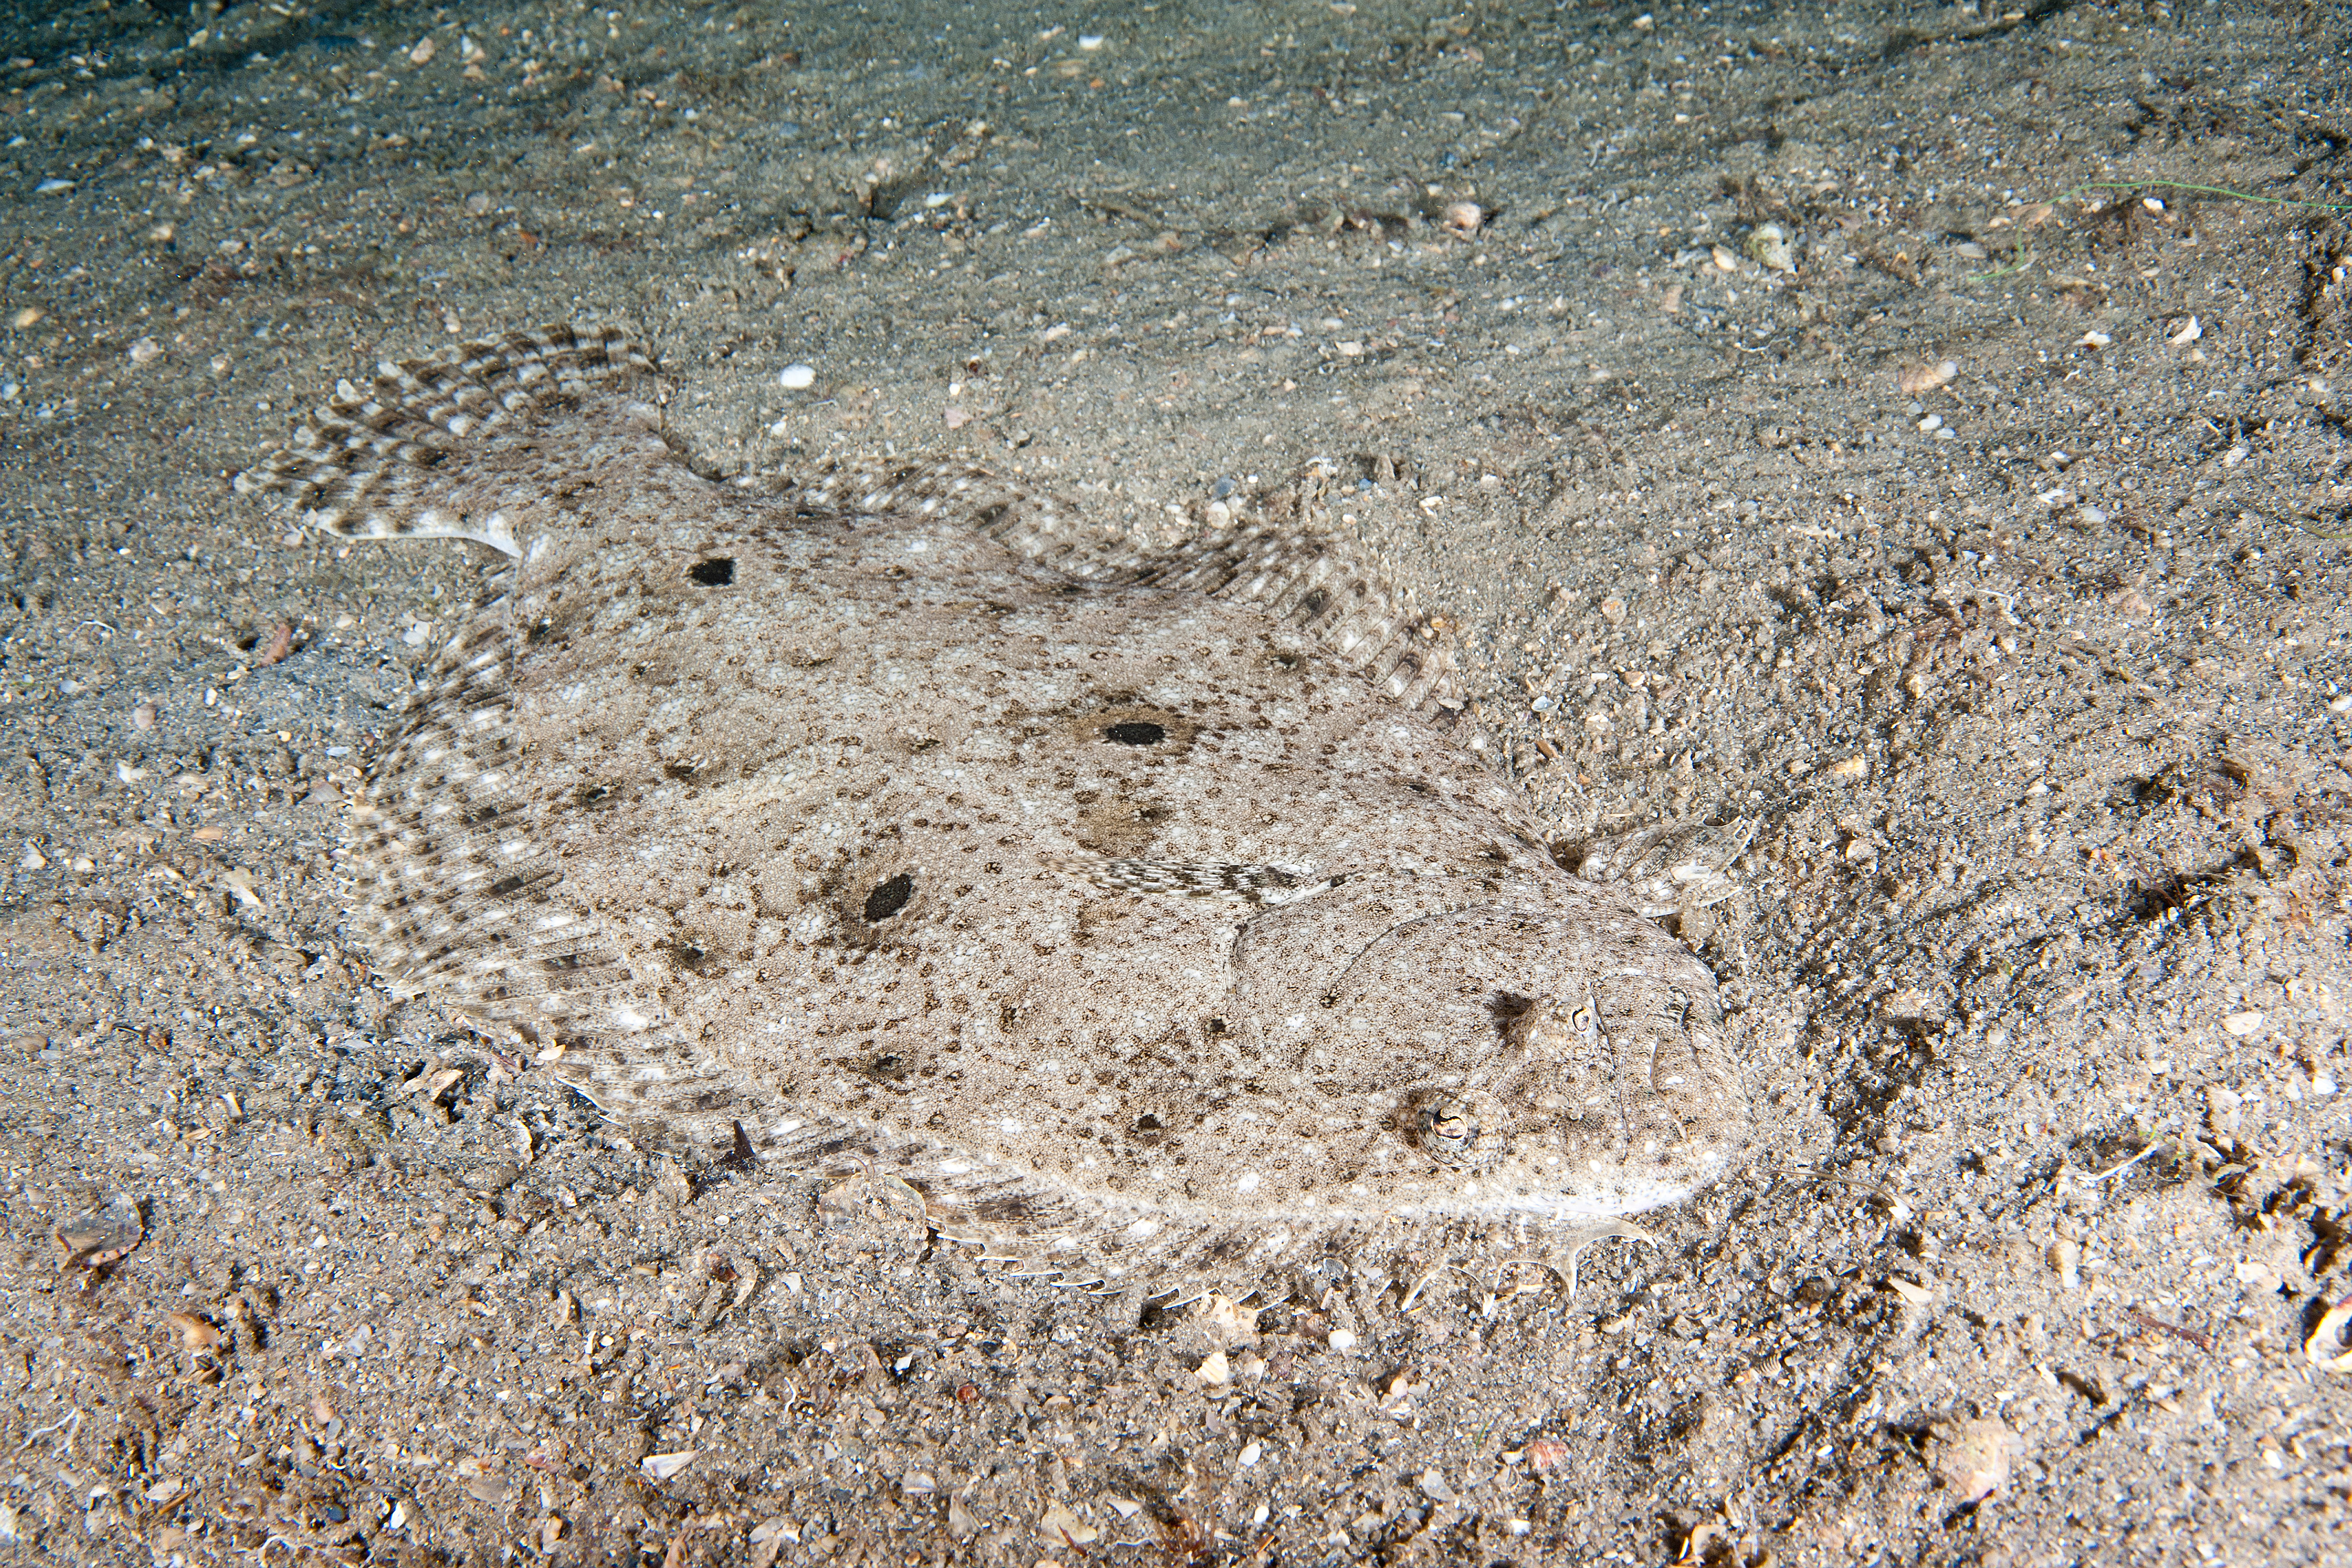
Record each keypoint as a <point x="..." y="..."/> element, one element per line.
<point x="1141" y="913"/>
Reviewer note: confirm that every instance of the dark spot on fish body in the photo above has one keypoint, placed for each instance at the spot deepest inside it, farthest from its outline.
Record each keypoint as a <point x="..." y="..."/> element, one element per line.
<point x="715" y="572"/>
<point x="888" y="898"/>
<point x="1135" y="733"/>
<point x="689" y="954"/>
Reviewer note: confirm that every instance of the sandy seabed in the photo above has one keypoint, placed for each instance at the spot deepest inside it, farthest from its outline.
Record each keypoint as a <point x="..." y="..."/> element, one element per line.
<point x="1919" y="432"/>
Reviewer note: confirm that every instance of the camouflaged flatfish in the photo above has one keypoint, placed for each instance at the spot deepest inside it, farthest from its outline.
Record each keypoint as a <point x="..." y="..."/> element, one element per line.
<point x="1137" y="911"/>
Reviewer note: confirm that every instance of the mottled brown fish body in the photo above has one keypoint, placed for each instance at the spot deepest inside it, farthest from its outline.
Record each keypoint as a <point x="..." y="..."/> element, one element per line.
<point x="1137" y="911"/>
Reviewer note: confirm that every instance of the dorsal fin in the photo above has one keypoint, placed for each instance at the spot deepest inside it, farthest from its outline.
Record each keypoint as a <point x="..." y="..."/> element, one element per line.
<point x="1303" y="579"/>
<point x="367" y="465"/>
<point x="363" y="465"/>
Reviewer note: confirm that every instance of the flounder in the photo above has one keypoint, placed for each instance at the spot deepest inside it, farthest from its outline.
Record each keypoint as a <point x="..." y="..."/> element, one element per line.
<point x="1148" y="914"/>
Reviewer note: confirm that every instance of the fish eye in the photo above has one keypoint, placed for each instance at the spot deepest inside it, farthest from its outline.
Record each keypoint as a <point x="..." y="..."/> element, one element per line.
<point x="1448" y="1130"/>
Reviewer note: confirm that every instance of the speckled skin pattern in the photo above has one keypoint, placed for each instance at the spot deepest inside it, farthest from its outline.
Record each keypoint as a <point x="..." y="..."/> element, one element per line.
<point x="1141" y="913"/>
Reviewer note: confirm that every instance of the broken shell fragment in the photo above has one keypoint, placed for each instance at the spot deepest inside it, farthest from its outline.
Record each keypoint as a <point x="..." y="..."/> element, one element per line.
<point x="1972" y="1457"/>
<point x="1769" y="247"/>
<point x="94" y="1239"/>
<point x="661" y="1467"/>
<point x="197" y="1335"/>
<point x="2327" y="1347"/>
<point x="1919" y="378"/>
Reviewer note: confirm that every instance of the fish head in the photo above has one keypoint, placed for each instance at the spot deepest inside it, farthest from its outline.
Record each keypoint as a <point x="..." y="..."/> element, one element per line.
<point x="1533" y="1062"/>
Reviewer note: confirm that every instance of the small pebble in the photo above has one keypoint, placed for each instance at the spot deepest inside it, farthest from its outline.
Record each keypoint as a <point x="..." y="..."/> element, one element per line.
<point x="146" y="351"/>
<point x="144" y="716"/>
<point x="1343" y="1339"/>
<point x="422" y="53"/>
<point x="796" y="377"/>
